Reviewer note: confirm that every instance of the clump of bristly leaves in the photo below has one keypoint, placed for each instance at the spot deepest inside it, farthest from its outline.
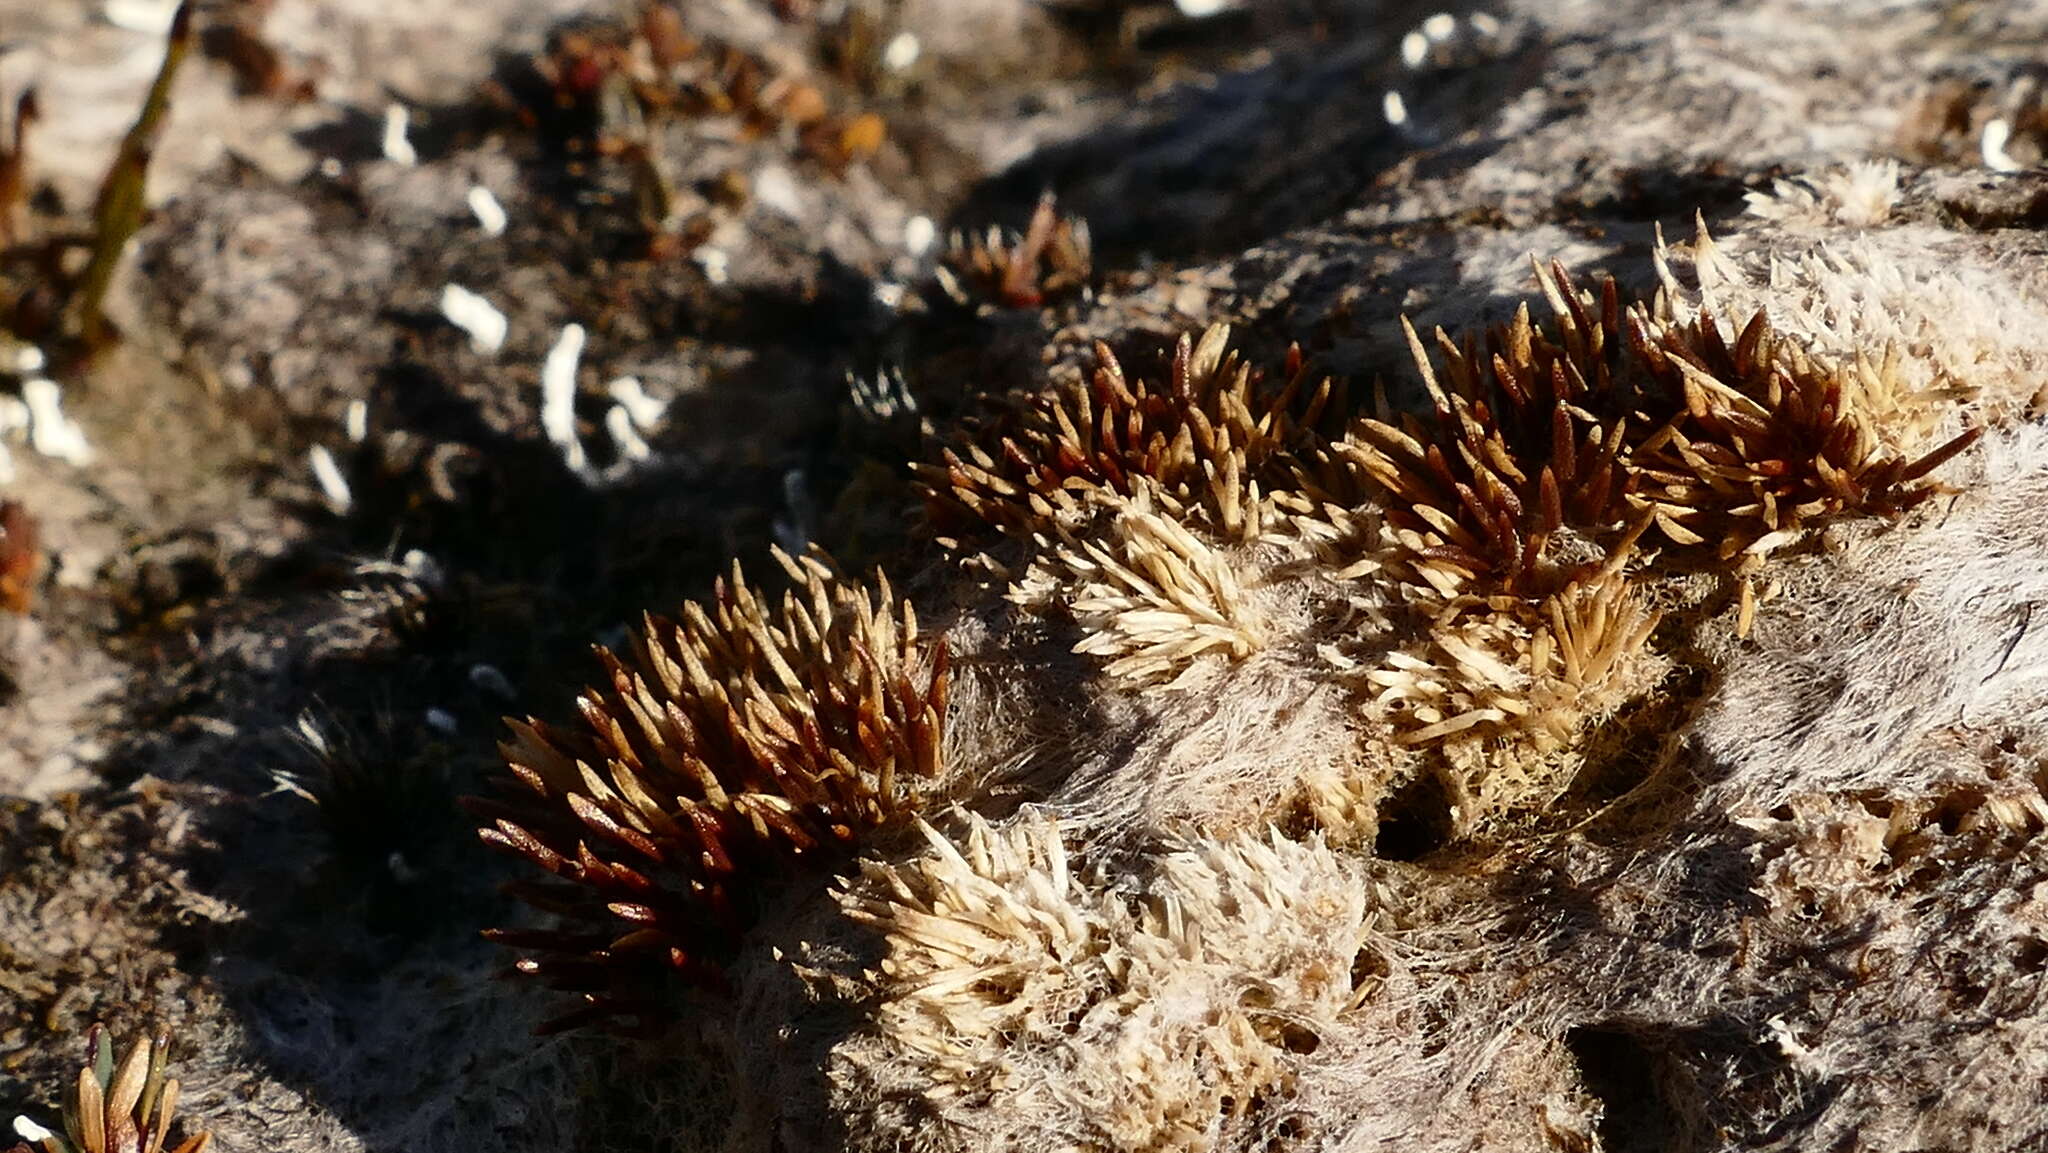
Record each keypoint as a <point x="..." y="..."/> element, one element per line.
<point x="1137" y="503"/>
<point x="1474" y="574"/>
<point x="1019" y="985"/>
<point x="1204" y="444"/>
<point x="124" y="1107"/>
<point x="1606" y="420"/>
<point x="1504" y="522"/>
<point x="1051" y="259"/>
<point x="1552" y="449"/>
<point x="734" y="744"/>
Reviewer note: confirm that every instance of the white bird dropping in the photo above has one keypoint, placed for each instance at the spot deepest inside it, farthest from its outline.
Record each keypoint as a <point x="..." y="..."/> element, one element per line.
<point x="645" y="410"/>
<point x="919" y="234"/>
<point x="558" y="395"/>
<point x="50" y="431"/>
<point x="619" y="423"/>
<point x="397" y="148"/>
<point x="328" y="473"/>
<point x="490" y="215"/>
<point x="1394" y="108"/>
<point x="1992" y="145"/>
<point x="1414" y="49"/>
<point x="476" y="316"/>
<point x="902" y="52"/>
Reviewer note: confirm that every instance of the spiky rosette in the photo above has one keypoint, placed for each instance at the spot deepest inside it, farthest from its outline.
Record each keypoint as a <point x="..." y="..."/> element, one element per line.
<point x="1606" y="417"/>
<point x="1523" y="442"/>
<point x="1767" y="440"/>
<point x="116" y="1108"/>
<point x="1208" y="441"/>
<point x="736" y="742"/>
<point x="1053" y="257"/>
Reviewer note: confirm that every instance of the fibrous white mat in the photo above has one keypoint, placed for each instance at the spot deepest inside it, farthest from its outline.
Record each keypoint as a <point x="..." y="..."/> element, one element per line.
<point x="1807" y="908"/>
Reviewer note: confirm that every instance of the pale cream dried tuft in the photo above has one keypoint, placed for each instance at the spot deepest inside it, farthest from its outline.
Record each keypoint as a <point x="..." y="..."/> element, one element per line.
<point x="1028" y="1003"/>
<point x="1150" y="594"/>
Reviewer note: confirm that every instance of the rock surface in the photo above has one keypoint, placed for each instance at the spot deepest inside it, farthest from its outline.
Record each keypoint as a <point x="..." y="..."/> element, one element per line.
<point x="1798" y="900"/>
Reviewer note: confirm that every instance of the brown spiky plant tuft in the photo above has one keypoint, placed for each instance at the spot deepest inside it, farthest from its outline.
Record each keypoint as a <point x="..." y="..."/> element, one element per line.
<point x="1051" y="259"/>
<point x="1489" y="550"/>
<point x="124" y="1107"/>
<point x="1205" y="443"/>
<point x="734" y="745"/>
<point x="1765" y="441"/>
<point x="1514" y="513"/>
<point x="1522" y="441"/>
<point x="1140" y="509"/>
<point x="1613" y="416"/>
